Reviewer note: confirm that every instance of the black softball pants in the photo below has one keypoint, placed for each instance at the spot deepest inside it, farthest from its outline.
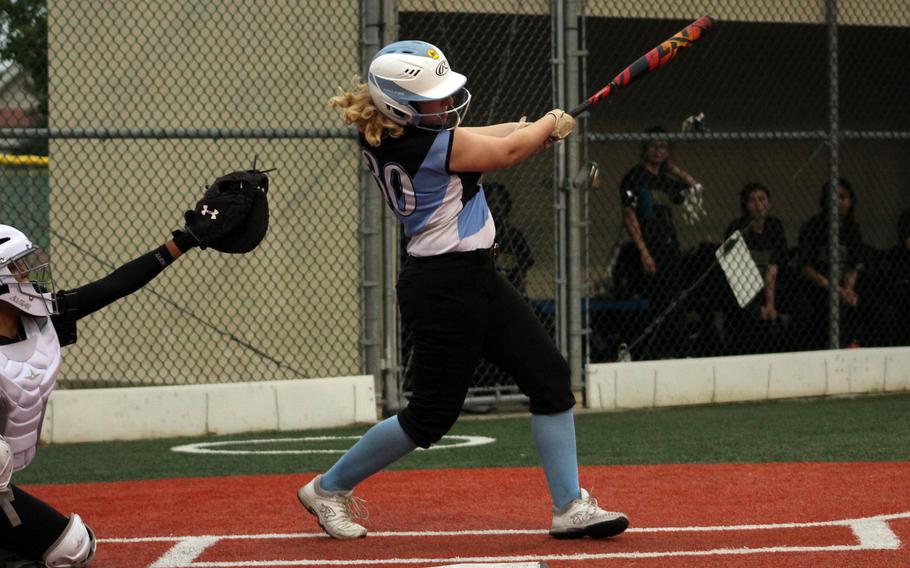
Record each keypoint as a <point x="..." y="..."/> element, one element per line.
<point x="41" y="526"/>
<point x="461" y="310"/>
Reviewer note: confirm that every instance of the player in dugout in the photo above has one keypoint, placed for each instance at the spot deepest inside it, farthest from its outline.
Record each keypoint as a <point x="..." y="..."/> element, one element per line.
<point x="36" y="321"/>
<point x="450" y="294"/>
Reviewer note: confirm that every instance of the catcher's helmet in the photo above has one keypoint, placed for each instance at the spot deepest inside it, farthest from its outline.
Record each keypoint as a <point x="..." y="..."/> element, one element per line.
<point x="25" y="274"/>
<point x="406" y="72"/>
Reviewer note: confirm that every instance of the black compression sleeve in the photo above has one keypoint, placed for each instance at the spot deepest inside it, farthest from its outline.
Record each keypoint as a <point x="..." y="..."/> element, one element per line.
<point x="80" y="302"/>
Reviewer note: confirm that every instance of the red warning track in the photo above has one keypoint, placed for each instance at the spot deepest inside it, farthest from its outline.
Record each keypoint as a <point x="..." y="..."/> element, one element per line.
<point x="798" y="515"/>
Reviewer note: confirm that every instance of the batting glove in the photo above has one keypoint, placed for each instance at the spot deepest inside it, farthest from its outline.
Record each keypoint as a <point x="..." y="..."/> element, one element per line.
<point x="565" y="124"/>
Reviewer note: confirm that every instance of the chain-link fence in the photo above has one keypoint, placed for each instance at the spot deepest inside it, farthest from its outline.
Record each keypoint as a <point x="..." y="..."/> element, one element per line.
<point x="138" y="105"/>
<point x="763" y="143"/>
<point x="148" y="102"/>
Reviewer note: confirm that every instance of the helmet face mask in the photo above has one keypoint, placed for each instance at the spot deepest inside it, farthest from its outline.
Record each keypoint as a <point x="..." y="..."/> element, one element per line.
<point x="449" y="118"/>
<point x="408" y="72"/>
<point x="26" y="280"/>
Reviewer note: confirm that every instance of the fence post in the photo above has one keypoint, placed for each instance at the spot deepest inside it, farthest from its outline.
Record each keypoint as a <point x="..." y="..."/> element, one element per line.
<point x="371" y="218"/>
<point x="574" y="227"/>
<point x="391" y="368"/>
<point x="834" y="270"/>
<point x="557" y="48"/>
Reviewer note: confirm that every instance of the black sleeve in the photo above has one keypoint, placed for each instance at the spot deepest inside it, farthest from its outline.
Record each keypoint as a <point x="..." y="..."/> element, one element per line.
<point x="779" y="246"/>
<point x="857" y="252"/>
<point x="627" y="188"/>
<point x="525" y="258"/>
<point x="735" y="225"/>
<point x="903" y="227"/>
<point x="73" y="305"/>
<point x="807" y="248"/>
<point x="65" y="328"/>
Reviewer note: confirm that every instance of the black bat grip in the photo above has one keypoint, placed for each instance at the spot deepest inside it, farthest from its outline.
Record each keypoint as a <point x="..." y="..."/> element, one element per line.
<point x="580" y="109"/>
<point x="591" y="101"/>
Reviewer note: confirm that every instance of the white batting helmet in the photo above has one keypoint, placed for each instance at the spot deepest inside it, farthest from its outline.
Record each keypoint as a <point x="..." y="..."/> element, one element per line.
<point x="406" y="72"/>
<point x="25" y="274"/>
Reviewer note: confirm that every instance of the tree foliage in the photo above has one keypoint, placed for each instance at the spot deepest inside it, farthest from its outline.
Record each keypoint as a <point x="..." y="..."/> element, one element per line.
<point x="23" y="41"/>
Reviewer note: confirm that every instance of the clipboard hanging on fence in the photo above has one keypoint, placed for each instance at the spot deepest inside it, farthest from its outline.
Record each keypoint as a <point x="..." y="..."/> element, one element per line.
<point x="740" y="269"/>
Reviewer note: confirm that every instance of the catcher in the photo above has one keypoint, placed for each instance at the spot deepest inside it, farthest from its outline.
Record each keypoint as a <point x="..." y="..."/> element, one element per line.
<point x="36" y="321"/>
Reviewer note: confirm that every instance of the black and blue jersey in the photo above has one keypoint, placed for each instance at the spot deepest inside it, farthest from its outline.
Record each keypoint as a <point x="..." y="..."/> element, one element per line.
<point x="441" y="211"/>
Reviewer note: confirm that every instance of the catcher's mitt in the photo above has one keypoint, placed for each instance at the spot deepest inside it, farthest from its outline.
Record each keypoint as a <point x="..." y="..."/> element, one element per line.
<point x="233" y="214"/>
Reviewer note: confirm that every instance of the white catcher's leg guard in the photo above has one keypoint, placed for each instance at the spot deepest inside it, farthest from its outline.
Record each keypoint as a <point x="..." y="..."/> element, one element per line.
<point x="74" y="548"/>
<point x="6" y="473"/>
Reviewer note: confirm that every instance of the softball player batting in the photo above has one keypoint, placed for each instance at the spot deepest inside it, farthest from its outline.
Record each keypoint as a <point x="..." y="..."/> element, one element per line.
<point x="459" y="308"/>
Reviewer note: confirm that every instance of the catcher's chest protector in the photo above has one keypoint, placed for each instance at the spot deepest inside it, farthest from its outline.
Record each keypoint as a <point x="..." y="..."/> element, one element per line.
<point x="28" y="373"/>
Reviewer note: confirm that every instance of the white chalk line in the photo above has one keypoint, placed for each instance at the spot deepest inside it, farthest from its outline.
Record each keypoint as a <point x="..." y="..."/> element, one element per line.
<point x="218" y="447"/>
<point x="510" y="559"/>
<point x="872" y="533"/>
<point x="506" y="532"/>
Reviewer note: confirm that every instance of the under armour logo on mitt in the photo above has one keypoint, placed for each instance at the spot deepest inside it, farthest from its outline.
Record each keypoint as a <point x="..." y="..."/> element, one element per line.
<point x="205" y="211"/>
<point x="233" y="214"/>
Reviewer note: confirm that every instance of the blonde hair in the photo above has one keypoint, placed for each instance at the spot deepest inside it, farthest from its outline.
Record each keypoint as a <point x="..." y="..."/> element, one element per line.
<point x="358" y="109"/>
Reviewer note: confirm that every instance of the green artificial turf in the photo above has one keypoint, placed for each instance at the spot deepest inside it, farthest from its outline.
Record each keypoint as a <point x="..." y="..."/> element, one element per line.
<point x="875" y="428"/>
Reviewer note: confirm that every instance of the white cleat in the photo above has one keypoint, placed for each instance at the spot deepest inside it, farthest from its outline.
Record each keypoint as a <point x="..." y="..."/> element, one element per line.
<point x="582" y="517"/>
<point x="334" y="512"/>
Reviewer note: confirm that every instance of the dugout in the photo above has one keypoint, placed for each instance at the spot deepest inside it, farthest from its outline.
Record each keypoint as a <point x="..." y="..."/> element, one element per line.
<point x="763" y="79"/>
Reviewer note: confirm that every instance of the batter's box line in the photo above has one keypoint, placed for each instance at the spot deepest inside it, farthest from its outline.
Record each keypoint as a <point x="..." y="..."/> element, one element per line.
<point x="872" y="533"/>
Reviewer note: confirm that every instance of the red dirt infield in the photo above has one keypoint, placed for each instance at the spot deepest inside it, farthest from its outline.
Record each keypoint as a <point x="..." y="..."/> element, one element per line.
<point x="779" y="514"/>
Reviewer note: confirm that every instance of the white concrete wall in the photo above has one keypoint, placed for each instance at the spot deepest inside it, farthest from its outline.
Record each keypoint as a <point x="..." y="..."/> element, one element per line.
<point x="133" y="413"/>
<point x="647" y="384"/>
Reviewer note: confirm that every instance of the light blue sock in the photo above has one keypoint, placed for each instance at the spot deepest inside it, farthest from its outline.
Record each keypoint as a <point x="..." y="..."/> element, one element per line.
<point x="554" y="436"/>
<point x="383" y="444"/>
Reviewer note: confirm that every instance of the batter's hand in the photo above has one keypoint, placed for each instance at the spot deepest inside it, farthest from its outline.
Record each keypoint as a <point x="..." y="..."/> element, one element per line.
<point x="565" y="124"/>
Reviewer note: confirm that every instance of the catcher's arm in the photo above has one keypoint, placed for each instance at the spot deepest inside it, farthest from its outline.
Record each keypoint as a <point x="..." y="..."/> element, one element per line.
<point x="173" y="249"/>
<point x="79" y="302"/>
<point x="226" y="209"/>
